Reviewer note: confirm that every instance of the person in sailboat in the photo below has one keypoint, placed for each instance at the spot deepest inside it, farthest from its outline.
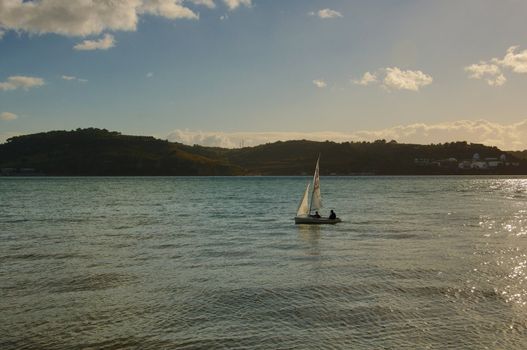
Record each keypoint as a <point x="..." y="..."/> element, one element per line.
<point x="332" y="215"/>
<point x="316" y="215"/>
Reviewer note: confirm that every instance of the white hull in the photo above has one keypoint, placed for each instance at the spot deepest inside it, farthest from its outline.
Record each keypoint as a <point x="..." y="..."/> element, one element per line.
<point x="315" y="221"/>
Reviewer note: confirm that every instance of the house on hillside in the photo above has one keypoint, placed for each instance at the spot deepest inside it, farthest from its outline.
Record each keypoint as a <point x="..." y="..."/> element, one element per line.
<point x="493" y="162"/>
<point x="479" y="164"/>
<point x="487" y="163"/>
<point x="465" y="164"/>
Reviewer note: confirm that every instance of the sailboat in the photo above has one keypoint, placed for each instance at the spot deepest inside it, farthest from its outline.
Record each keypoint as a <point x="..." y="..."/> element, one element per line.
<point x="303" y="214"/>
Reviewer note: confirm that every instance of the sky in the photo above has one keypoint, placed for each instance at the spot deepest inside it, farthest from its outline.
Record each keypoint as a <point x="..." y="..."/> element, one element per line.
<point x="243" y="72"/>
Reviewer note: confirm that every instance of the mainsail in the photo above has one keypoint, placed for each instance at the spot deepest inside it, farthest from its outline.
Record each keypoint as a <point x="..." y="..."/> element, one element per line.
<point x="316" y="201"/>
<point x="303" y="208"/>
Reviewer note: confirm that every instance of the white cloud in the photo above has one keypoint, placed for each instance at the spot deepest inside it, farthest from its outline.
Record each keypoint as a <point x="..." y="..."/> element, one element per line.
<point x="207" y="3"/>
<point x="149" y="75"/>
<point x="367" y="79"/>
<point x="488" y="71"/>
<point x="104" y="43"/>
<point x="320" y="83"/>
<point x="492" y="70"/>
<point x="505" y="136"/>
<point x="8" y="116"/>
<point x="87" y="17"/>
<point x="482" y="69"/>
<point x="224" y="17"/>
<point x="21" y="82"/>
<point x="497" y="81"/>
<point x="393" y="78"/>
<point x="398" y="79"/>
<point x="326" y="14"/>
<point x="233" y="4"/>
<point x="172" y="9"/>
<point x="515" y="61"/>
<point x="72" y="78"/>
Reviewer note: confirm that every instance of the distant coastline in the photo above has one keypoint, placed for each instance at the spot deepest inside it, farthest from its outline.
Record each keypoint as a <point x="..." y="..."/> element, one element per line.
<point x="99" y="152"/>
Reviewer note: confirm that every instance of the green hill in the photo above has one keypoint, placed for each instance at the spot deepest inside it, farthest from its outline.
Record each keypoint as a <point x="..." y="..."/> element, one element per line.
<point x="519" y="154"/>
<point x="379" y="157"/>
<point x="102" y="152"/>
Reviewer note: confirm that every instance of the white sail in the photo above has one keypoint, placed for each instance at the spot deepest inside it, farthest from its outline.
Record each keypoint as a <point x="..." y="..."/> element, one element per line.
<point x="316" y="200"/>
<point x="303" y="208"/>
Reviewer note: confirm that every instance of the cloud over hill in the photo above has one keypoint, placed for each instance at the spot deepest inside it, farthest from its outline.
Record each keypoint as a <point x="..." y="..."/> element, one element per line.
<point x="505" y="136"/>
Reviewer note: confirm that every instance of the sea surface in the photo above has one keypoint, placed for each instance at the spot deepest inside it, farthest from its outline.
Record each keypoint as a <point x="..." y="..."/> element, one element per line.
<point x="217" y="263"/>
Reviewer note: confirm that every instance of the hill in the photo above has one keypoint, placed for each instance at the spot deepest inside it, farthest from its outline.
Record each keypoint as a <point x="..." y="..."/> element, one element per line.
<point x="519" y="154"/>
<point x="101" y="152"/>
<point x="379" y="157"/>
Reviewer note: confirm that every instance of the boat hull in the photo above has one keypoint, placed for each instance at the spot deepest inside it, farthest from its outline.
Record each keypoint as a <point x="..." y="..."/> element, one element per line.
<point x="315" y="221"/>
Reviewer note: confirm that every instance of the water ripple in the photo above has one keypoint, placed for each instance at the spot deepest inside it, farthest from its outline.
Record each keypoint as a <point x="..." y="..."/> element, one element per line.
<point x="206" y="263"/>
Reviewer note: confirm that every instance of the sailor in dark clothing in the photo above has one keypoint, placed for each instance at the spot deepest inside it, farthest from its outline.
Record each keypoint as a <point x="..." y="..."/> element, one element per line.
<point x="316" y="215"/>
<point x="332" y="215"/>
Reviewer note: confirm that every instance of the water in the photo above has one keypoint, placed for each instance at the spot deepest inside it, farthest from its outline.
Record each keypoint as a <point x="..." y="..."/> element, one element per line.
<point x="203" y="263"/>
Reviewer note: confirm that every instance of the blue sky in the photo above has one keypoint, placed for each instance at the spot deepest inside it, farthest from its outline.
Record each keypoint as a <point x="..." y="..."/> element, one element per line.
<point x="217" y="72"/>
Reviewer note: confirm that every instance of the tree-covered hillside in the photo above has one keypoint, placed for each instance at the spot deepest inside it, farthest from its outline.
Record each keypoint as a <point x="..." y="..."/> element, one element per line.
<point x="379" y="157"/>
<point x="102" y="152"/>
